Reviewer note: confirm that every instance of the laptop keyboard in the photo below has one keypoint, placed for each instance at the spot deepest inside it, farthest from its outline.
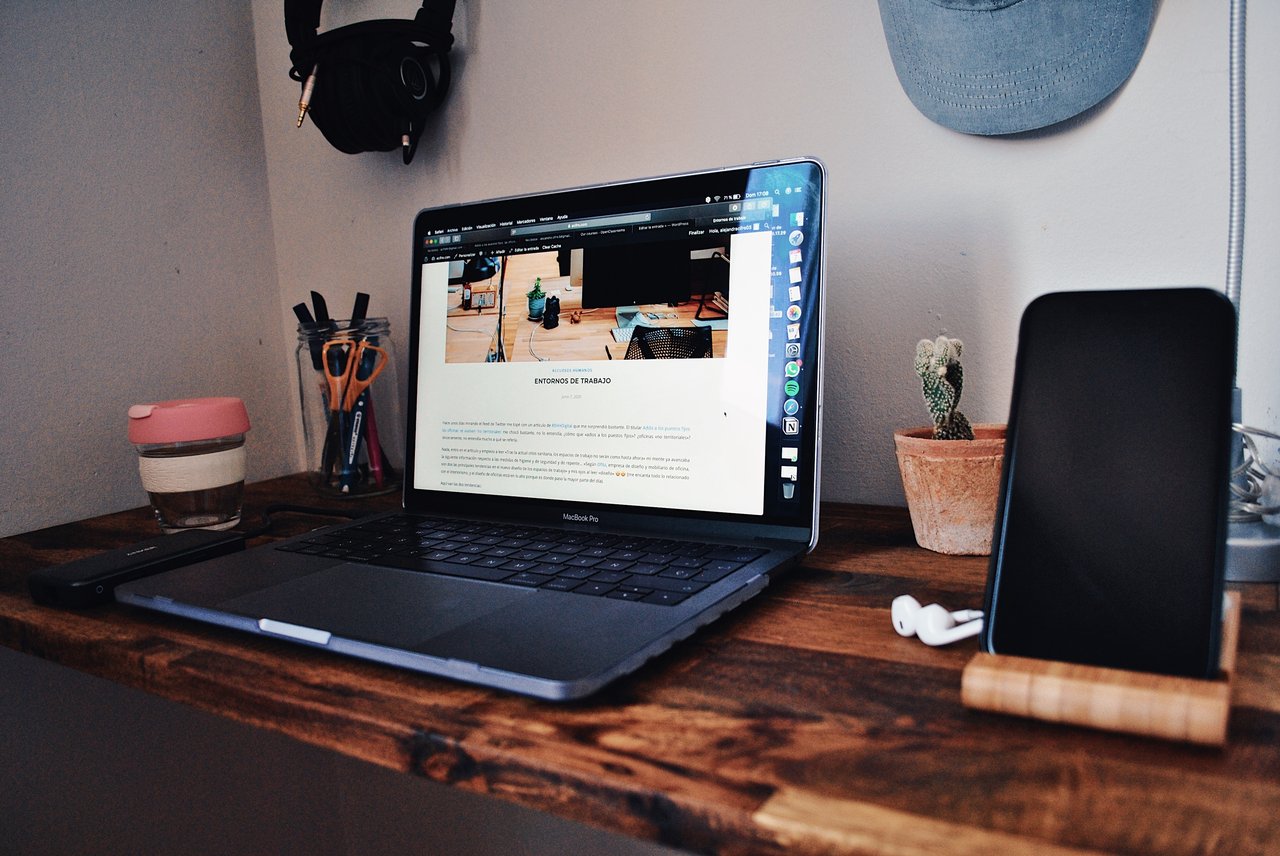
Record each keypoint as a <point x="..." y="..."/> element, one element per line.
<point x="647" y="570"/>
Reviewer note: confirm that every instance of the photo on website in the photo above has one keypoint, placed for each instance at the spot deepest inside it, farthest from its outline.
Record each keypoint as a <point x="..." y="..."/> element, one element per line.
<point x="648" y="300"/>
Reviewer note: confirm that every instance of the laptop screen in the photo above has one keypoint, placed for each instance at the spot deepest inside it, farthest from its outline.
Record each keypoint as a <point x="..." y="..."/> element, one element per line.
<point x="643" y="346"/>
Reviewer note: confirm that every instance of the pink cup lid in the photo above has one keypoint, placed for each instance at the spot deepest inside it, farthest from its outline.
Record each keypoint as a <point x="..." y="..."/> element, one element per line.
<point x="186" y="419"/>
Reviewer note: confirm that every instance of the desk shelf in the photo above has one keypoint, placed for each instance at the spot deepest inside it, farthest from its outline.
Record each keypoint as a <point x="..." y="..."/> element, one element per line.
<point x="800" y="724"/>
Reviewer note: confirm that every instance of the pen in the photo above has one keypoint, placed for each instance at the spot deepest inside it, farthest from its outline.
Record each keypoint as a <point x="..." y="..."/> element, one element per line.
<point x="372" y="444"/>
<point x="322" y="310"/>
<point x="364" y="363"/>
<point x="360" y="309"/>
<point x="305" y="319"/>
<point x="355" y="429"/>
<point x="334" y="360"/>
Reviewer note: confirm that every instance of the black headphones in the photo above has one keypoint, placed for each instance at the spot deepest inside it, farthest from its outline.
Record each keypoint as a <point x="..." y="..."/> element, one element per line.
<point x="369" y="86"/>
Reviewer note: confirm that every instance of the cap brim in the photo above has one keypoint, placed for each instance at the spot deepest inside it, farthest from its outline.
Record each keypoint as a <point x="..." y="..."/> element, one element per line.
<point x="1025" y="66"/>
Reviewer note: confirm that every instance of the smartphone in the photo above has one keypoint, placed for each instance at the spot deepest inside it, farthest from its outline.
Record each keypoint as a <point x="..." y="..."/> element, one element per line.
<point x="1111" y="526"/>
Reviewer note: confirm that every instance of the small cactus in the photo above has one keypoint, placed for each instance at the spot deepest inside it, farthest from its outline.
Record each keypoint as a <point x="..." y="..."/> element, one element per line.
<point x="942" y="378"/>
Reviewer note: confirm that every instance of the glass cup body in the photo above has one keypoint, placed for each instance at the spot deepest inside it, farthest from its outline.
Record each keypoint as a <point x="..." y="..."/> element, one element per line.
<point x="194" y="485"/>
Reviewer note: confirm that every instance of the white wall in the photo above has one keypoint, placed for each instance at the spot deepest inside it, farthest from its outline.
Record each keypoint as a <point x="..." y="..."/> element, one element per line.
<point x="144" y="257"/>
<point x="136" y="244"/>
<point x="929" y="230"/>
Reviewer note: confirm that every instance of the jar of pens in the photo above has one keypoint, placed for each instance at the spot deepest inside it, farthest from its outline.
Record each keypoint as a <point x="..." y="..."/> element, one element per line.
<point x="350" y="396"/>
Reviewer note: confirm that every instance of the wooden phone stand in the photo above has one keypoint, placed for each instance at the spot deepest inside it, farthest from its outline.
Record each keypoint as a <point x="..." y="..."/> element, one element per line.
<point x="1171" y="708"/>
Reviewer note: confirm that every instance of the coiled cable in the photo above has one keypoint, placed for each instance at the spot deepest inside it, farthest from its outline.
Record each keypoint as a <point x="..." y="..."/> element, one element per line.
<point x="1249" y="489"/>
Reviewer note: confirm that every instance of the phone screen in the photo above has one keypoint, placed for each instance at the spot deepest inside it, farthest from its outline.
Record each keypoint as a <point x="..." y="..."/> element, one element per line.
<point x="1111" y="529"/>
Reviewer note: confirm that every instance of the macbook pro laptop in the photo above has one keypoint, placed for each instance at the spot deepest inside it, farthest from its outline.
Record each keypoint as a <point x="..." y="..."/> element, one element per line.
<point x="584" y="488"/>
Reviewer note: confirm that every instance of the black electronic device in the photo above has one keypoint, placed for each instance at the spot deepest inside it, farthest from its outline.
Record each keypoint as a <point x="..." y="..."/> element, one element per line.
<point x="370" y="86"/>
<point x="92" y="580"/>
<point x="1110" y="532"/>
<point x="636" y="274"/>
<point x="551" y="313"/>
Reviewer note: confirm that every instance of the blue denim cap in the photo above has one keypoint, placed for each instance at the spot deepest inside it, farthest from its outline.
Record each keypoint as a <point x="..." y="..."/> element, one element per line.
<point x="1006" y="66"/>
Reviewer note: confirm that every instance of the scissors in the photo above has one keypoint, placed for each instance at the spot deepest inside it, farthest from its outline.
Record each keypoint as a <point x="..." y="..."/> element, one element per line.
<point x="350" y="367"/>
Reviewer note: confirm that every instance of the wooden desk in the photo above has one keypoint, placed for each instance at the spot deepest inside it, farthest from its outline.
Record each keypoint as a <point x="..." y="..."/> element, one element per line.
<point x="801" y="724"/>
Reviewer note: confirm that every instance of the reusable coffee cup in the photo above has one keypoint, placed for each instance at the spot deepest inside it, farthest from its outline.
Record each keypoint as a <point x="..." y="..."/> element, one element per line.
<point x="191" y="458"/>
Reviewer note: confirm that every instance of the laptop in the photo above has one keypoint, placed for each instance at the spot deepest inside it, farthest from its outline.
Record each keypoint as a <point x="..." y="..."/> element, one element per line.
<point x="573" y="506"/>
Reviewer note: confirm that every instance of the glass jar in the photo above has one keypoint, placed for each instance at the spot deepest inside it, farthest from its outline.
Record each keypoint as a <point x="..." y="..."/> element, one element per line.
<point x="349" y="392"/>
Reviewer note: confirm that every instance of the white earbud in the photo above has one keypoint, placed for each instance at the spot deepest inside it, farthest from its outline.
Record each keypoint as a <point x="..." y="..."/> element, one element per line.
<point x="933" y="624"/>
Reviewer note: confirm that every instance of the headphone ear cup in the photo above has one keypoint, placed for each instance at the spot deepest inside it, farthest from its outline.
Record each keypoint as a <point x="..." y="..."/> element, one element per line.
<point x="373" y="89"/>
<point x="337" y="107"/>
<point x="350" y="113"/>
<point x="424" y="74"/>
<point x="393" y="106"/>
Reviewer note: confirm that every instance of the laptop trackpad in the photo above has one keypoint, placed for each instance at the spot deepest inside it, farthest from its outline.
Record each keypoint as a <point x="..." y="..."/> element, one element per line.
<point x="377" y="605"/>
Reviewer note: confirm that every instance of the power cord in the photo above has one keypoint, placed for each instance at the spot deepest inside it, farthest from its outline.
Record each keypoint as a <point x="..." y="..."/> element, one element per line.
<point x="532" y="352"/>
<point x="286" y="508"/>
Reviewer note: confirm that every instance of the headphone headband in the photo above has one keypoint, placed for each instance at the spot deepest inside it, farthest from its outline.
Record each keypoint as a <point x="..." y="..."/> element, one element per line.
<point x="432" y="25"/>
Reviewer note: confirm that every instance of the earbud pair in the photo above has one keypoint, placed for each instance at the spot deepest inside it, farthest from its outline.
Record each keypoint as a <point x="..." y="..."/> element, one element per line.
<point x="933" y="623"/>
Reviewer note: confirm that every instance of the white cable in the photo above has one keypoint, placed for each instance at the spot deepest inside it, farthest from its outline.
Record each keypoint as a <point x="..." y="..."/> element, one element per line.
<point x="531" y="351"/>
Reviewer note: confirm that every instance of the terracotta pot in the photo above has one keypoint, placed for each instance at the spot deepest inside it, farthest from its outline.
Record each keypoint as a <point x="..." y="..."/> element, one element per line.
<point x="951" y="487"/>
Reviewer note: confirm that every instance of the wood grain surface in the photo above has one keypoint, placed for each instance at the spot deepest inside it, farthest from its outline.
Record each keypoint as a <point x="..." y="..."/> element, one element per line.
<point x="800" y="723"/>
